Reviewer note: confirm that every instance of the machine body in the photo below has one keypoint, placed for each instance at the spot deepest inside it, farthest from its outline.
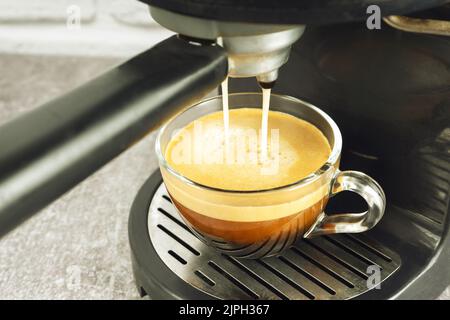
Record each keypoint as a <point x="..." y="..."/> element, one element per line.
<point x="388" y="91"/>
<point x="50" y="150"/>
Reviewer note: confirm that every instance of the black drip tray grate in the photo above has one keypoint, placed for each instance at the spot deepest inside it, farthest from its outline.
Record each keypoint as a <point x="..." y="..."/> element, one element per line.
<point x="335" y="267"/>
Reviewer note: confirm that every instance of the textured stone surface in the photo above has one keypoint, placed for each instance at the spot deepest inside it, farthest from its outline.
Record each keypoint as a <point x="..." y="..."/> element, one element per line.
<point x="77" y="247"/>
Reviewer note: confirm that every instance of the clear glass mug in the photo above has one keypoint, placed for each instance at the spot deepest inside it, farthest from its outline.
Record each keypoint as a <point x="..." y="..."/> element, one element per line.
<point x="260" y="223"/>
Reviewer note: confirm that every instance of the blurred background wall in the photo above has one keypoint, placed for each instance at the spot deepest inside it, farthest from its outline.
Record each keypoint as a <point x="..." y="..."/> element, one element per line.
<point x="115" y="28"/>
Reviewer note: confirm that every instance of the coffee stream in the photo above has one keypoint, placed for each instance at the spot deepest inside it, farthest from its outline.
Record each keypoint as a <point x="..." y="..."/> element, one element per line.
<point x="226" y="116"/>
<point x="264" y="121"/>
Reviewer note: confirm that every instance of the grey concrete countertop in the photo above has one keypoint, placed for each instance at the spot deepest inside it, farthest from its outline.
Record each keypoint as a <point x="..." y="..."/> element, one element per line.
<point x="77" y="247"/>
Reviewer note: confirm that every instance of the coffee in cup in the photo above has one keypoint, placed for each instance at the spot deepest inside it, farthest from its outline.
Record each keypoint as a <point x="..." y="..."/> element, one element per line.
<point x="249" y="203"/>
<point x="203" y="153"/>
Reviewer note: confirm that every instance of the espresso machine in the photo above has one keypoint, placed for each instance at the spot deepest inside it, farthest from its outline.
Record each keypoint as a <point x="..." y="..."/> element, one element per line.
<point x="388" y="90"/>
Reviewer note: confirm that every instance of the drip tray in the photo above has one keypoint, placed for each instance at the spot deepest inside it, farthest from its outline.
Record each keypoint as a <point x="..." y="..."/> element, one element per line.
<point x="327" y="267"/>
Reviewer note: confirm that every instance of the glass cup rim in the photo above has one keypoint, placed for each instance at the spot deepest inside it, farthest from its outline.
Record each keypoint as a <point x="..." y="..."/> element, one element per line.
<point x="334" y="155"/>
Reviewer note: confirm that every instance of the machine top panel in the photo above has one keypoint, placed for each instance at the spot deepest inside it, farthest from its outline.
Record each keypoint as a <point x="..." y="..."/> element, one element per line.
<point x="312" y="12"/>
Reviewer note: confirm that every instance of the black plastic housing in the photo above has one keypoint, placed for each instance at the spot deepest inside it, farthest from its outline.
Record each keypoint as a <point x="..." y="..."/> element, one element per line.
<point x="49" y="150"/>
<point x="310" y="12"/>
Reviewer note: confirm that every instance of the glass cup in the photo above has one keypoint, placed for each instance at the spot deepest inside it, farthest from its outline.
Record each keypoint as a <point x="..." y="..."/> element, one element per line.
<point x="260" y="223"/>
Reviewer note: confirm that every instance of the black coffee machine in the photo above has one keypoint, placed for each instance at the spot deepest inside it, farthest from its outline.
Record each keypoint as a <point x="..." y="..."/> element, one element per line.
<point x="388" y="90"/>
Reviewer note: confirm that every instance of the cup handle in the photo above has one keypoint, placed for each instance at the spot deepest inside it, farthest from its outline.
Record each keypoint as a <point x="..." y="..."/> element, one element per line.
<point x="367" y="188"/>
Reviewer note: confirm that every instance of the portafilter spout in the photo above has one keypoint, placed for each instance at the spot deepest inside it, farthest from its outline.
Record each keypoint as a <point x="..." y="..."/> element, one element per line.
<point x="253" y="49"/>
